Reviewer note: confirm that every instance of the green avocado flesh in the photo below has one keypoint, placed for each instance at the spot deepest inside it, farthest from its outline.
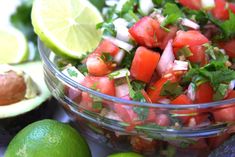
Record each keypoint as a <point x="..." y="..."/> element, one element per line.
<point x="35" y="70"/>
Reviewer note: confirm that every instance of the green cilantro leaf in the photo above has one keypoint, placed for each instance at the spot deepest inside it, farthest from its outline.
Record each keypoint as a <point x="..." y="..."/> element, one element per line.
<point x="106" y="57"/>
<point x="171" y="90"/>
<point x="142" y="112"/>
<point x="72" y="73"/>
<point x="228" y="27"/>
<point x="108" y="28"/>
<point x="221" y="92"/>
<point x="172" y="13"/>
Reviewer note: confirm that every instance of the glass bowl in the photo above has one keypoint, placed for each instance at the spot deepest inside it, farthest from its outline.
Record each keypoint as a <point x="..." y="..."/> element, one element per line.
<point x="116" y="128"/>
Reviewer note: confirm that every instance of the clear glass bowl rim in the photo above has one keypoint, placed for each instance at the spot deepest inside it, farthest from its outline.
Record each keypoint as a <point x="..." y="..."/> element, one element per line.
<point x="50" y="65"/>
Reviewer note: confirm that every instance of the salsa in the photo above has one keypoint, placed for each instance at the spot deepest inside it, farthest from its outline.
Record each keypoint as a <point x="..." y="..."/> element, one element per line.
<point x="165" y="52"/>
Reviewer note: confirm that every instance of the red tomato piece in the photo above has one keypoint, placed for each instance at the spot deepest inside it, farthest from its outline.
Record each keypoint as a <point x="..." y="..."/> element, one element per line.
<point x="104" y="85"/>
<point x="155" y="90"/>
<point x="144" y="64"/>
<point x="226" y="114"/>
<point x="204" y="93"/>
<point x="192" y="4"/>
<point x="229" y="47"/>
<point x="107" y="47"/>
<point x="183" y="99"/>
<point x="162" y="120"/>
<point x="96" y="66"/>
<point x="199" y="55"/>
<point x="145" y="31"/>
<point x="220" y="11"/>
<point x="189" y="38"/>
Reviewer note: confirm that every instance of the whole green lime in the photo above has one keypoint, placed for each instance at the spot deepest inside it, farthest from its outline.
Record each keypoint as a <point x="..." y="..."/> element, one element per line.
<point x="48" y="138"/>
<point x="126" y="154"/>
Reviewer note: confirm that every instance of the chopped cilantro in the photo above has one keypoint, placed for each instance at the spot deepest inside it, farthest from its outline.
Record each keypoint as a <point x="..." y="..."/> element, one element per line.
<point x="72" y="73"/>
<point x="106" y="57"/>
<point x="172" y="13"/>
<point x="171" y="90"/>
<point x="221" y="92"/>
<point x="83" y="69"/>
<point x="228" y="26"/>
<point x="136" y="95"/>
<point x="185" y="51"/>
<point x="97" y="105"/>
<point x="108" y="28"/>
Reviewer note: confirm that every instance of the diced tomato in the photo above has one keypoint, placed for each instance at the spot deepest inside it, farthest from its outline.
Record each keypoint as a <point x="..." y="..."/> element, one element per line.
<point x="189" y="38"/>
<point x="220" y="11"/>
<point x="192" y="4"/>
<point x="106" y="47"/>
<point x="214" y="142"/>
<point x="104" y="84"/>
<point x="155" y="90"/>
<point x="204" y="93"/>
<point x="182" y="99"/>
<point x="96" y="66"/>
<point x="229" y="47"/>
<point x="126" y="113"/>
<point x="232" y="7"/>
<point x="226" y="114"/>
<point x="147" y="32"/>
<point x="199" y="55"/>
<point x="101" y="84"/>
<point x="162" y="120"/>
<point x="144" y="63"/>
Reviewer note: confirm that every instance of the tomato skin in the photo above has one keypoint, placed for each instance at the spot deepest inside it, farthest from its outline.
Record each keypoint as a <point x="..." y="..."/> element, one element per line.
<point x="192" y="4"/>
<point x="204" y="93"/>
<point x="107" y="47"/>
<point x="189" y="38"/>
<point x="145" y="32"/>
<point x="199" y="55"/>
<point x="154" y="91"/>
<point x="220" y="11"/>
<point x="144" y="64"/>
<point x="229" y="47"/>
<point x="226" y="114"/>
<point x="96" y="66"/>
<point x="182" y="99"/>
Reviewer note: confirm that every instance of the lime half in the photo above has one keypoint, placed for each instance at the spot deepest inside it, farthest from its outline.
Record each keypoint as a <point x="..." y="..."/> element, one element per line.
<point x="13" y="46"/>
<point x="67" y="27"/>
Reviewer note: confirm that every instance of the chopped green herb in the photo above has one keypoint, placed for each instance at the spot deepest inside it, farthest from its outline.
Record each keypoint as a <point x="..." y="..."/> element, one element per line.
<point x="97" y="105"/>
<point x="171" y="90"/>
<point x="72" y="73"/>
<point x="106" y="57"/>
<point x="185" y="51"/>
<point x="113" y="74"/>
<point x="142" y="112"/>
<point x="172" y="13"/>
<point x="108" y="28"/>
<point x="221" y="92"/>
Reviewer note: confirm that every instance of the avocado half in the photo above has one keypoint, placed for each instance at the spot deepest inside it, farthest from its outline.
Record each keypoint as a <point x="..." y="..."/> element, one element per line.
<point x="35" y="70"/>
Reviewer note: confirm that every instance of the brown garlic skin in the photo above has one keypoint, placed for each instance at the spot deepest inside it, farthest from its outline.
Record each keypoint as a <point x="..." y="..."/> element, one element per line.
<point x="12" y="88"/>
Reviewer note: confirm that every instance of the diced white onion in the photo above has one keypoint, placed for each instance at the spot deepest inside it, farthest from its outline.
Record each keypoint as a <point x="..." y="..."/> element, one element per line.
<point x="180" y="65"/>
<point x="120" y="73"/>
<point x="189" y="23"/>
<point x="120" y="25"/>
<point x="166" y="59"/>
<point x="122" y="90"/>
<point x="119" y="56"/>
<point x="78" y="78"/>
<point x="146" y="6"/>
<point x="111" y="3"/>
<point x="191" y="92"/>
<point x="126" y="46"/>
<point x="208" y="4"/>
<point x="232" y="85"/>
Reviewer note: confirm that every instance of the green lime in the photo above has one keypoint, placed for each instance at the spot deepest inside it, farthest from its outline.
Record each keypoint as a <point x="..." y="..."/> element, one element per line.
<point x="126" y="154"/>
<point x="67" y="27"/>
<point x="14" y="48"/>
<point x="48" y="138"/>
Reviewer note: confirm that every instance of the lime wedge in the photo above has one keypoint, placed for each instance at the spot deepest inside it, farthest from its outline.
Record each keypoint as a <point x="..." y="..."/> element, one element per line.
<point x="13" y="46"/>
<point x="67" y="27"/>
